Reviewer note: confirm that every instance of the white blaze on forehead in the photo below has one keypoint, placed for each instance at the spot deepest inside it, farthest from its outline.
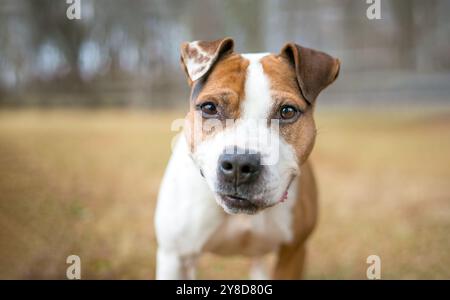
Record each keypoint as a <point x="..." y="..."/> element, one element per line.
<point x="257" y="102"/>
<point x="252" y="131"/>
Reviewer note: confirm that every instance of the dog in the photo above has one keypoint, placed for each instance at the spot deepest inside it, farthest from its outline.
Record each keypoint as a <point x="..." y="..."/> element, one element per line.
<point x="228" y="191"/>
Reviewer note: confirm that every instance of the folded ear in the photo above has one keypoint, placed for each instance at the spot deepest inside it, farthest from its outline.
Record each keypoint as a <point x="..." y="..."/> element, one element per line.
<point x="315" y="70"/>
<point x="198" y="57"/>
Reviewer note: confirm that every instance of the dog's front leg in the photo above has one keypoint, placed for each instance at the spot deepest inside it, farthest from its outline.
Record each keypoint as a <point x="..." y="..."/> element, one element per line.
<point x="174" y="266"/>
<point x="290" y="261"/>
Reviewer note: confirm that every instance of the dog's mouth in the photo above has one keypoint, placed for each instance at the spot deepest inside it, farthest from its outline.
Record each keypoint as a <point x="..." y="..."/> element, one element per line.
<point x="238" y="202"/>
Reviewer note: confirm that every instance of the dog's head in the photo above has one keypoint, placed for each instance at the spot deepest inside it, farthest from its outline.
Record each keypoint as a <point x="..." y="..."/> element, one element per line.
<point x="250" y="126"/>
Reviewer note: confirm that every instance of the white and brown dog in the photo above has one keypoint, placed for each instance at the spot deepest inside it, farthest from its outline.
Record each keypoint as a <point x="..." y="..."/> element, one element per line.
<point x="237" y="183"/>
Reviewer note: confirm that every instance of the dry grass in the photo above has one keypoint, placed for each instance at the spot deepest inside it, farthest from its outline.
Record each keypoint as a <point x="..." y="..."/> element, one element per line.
<point x="79" y="182"/>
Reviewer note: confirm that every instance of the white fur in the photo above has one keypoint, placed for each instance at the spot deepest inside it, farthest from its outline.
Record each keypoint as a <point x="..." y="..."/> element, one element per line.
<point x="258" y="101"/>
<point x="189" y="221"/>
<point x="185" y="216"/>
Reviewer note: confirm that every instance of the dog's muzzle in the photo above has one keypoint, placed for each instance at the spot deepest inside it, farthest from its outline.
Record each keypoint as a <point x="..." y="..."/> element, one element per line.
<point x="238" y="172"/>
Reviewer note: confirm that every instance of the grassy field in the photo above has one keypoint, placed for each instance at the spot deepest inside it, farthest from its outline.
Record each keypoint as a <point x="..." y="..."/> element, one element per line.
<point x="85" y="183"/>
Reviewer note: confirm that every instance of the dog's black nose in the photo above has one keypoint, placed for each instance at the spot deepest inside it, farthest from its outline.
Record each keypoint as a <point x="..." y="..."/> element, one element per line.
<point x="239" y="168"/>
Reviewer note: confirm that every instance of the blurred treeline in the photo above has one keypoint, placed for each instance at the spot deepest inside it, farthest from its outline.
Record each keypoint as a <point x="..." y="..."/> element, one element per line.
<point x="126" y="52"/>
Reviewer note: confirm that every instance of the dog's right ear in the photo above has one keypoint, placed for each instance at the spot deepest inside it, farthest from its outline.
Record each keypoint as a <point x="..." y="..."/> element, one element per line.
<point x="197" y="58"/>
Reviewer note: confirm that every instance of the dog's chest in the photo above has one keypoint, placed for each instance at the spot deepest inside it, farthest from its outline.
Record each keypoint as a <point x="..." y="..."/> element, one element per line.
<point x="253" y="234"/>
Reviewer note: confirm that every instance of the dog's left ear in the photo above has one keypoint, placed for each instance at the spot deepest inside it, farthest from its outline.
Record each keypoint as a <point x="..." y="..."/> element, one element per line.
<point x="315" y="70"/>
<point x="198" y="57"/>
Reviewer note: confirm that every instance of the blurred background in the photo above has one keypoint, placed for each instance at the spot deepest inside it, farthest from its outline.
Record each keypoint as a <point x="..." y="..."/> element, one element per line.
<point x="86" y="107"/>
<point x="127" y="54"/>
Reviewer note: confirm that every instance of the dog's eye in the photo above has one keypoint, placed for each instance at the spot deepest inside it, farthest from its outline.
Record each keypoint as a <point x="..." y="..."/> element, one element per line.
<point x="209" y="109"/>
<point x="288" y="112"/>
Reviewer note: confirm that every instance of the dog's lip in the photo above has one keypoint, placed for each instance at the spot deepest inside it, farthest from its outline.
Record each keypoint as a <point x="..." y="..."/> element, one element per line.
<point x="235" y="197"/>
<point x="237" y="201"/>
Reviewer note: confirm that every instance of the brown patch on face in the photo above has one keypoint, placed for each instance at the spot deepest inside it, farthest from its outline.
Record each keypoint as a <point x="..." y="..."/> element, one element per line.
<point x="285" y="91"/>
<point x="224" y="87"/>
